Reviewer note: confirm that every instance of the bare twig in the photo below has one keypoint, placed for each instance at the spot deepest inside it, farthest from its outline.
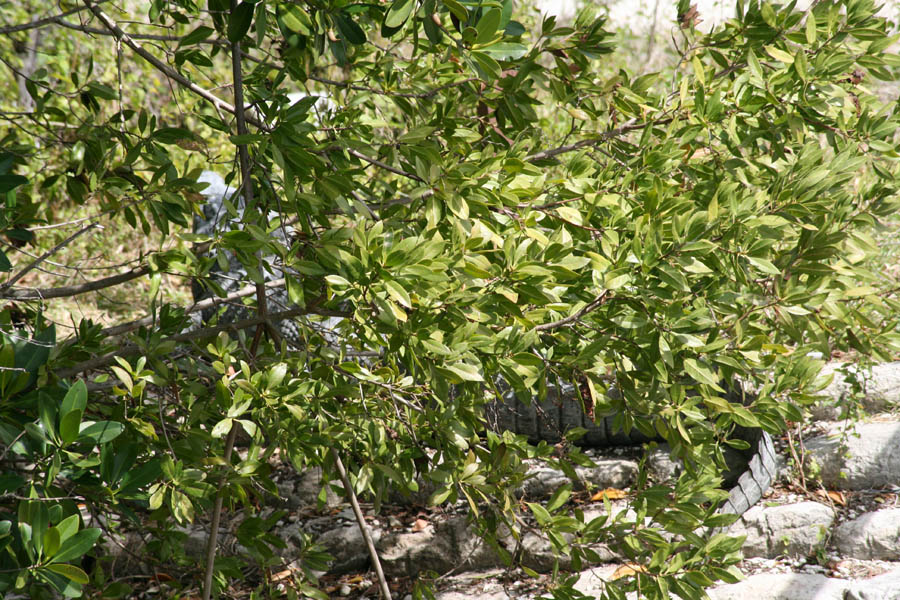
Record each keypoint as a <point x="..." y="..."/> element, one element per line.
<point x="48" y="254"/>
<point x="383" y="165"/>
<point x="630" y="125"/>
<point x="20" y="293"/>
<point x="362" y="88"/>
<point x="73" y="290"/>
<point x="166" y="69"/>
<point x="197" y="306"/>
<point x="217" y="514"/>
<point x="596" y="302"/>
<point x="44" y="20"/>
<point x="261" y="301"/>
<point x="106" y="359"/>
<point x="363" y="528"/>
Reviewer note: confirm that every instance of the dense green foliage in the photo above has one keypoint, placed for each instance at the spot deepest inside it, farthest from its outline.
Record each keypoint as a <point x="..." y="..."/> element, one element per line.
<point x="488" y="199"/>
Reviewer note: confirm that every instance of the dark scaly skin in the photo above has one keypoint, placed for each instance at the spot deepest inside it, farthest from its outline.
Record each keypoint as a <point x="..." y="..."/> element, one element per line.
<point x="547" y="421"/>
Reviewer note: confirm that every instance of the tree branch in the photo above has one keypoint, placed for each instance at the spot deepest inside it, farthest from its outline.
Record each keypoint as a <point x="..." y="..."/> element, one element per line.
<point x="132" y="349"/>
<point x="385" y="166"/>
<point x="45" y="20"/>
<point x="361" y="522"/>
<point x="630" y="125"/>
<point x="166" y="69"/>
<point x="73" y="290"/>
<point x="20" y="293"/>
<point x="595" y="303"/>
<point x="196" y="307"/>
<point x="362" y="88"/>
<point x="36" y="262"/>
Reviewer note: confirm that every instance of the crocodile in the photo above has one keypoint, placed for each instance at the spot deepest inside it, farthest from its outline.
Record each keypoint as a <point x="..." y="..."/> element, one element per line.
<point x="547" y="420"/>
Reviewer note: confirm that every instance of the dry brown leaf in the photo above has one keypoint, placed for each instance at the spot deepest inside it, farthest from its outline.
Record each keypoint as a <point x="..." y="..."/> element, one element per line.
<point x="420" y="525"/>
<point x="691" y="17"/>
<point x="626" y="570"/>
<point x="833" y="496"/>
<point x="609" y="494"/>
<point x="837" y="497"/>
<point x="282" y="575"/>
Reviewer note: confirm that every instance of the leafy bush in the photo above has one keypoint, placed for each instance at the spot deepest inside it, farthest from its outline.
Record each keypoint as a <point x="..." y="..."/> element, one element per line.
<point x="489" y="199"/>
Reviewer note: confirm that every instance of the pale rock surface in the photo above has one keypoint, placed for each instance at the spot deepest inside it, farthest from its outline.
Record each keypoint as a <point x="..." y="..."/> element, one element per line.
<point x="782" y="586"/>
<point x="883" y="587"/>
<point x="874" y="535"/>
<point x="791" y="530"/>
<point x="871" y="460"/>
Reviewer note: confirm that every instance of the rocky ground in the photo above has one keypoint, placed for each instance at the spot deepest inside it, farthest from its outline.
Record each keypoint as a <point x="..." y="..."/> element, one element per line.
<point x="830" y="534"/>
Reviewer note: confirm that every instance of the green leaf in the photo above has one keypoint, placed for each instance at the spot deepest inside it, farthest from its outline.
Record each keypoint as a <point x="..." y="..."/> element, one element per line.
<point x="487" y="26"/>
<point x="101" y="432"/>
<point x="197" y="35"/>
<point x="10" y="182"/>
<point x="248" y="138"/>
<point x="77" y="545"/>
<point x="68" y="527"/>
<point x="505" y="50"/>
<point x="75" y="398"/>
<point x="222" y="428"/>
<point x="398" y="293"/>
<point x="810" y="28"/>
<point x="296" y="19"/>
<point x="465" y="371"/>
<point x="102" y="91"/>
<point x="764" y="265"/>
<point x="755" y="67"/>
<point x="458" y="10"/>
<point x="51" y="542"/>
<point x="239" y="21"/>
<point x="399" y="12"/>
<point x="560" y="497"/>
<point x="172" y="135"/>
<point x="416" y="135"/>
<point x="350" y="30"/>
<point x="70" y="572"/>
<point x="69" y="426"/>
<point x="540" y="513"/>
<point x="5" y="265"/>
<point x="701" y="373"/>
<point x="489" y="67"/>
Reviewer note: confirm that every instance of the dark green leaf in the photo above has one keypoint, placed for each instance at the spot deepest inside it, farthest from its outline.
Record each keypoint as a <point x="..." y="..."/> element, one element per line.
<point x="399" y="12"/>
<point x="197" y="35"/>
<point x="350" y="30"/>
<point x="77" y="545"/>
<point x="239" y="21"/>
<point x="75" y="399"/>
<point x="11" y="181"/>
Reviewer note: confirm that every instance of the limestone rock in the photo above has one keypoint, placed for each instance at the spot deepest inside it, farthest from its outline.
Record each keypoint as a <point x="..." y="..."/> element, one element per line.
<point x="348" y="547"/>
<point x="883" y="587"/>
<point x="880" y="388"/>
<point x="609" y="473"/>
<point x="874" y="535"/>
<point x="793" y="529"/>
<point x="871" y="460"/>
<point x="782" y="586"/>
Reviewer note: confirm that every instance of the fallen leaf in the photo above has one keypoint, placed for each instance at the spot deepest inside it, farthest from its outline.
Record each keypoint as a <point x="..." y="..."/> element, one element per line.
<point x="837" y="498"/>
<point x="833" y="496"/>
<point x="609" y="494"/>
<point x="281" y="575"/>
<point x="626" y="570"/>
